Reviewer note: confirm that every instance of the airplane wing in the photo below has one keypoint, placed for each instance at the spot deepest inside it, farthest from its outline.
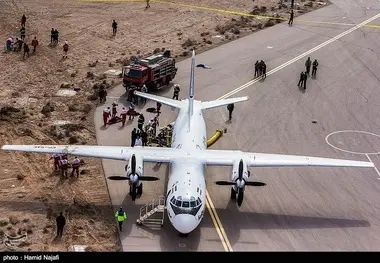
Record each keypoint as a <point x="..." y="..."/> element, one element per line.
<point x="227" y="158"/>
<point x="149" y="154"/>
<point x="217" y="103"/>
<point x="167" y="101"/>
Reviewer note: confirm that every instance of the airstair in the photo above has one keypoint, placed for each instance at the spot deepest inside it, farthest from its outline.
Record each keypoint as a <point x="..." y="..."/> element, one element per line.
<point x="153" y="213"/>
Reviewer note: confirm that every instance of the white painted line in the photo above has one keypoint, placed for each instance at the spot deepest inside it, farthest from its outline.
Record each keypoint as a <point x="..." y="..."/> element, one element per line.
<point x="300" y="56"/>
<point x="377" y="171"/>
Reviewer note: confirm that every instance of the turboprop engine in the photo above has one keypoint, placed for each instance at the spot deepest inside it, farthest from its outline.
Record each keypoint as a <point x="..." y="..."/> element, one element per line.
<point x="135" y="176"/>
<point x="239" y="181"/>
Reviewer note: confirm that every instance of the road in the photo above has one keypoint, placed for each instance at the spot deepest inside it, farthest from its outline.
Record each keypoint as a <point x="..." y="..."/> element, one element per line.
<point x="300" y="208"/>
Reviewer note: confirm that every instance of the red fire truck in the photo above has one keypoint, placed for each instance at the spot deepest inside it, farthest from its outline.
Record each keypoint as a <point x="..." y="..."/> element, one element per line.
<point x="155" y="72"/>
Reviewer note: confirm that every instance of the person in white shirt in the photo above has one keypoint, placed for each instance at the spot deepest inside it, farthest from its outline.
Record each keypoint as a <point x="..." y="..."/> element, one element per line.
<point x="138" y="141"/>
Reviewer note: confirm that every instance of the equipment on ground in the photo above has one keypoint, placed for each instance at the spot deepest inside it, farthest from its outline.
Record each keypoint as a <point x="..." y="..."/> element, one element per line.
<point x="155" y="72"/>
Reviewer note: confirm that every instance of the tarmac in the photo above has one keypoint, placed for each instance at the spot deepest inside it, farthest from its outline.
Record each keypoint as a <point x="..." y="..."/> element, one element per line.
<point x="300" y="209"/>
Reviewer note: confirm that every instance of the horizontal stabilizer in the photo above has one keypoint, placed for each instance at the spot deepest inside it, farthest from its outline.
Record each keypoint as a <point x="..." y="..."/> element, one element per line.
<point x="218" y="103"/>
<point x="166" y="101"/>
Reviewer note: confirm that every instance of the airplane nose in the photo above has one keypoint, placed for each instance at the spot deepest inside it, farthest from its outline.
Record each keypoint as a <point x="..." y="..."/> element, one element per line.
<point x="184" y="223"/>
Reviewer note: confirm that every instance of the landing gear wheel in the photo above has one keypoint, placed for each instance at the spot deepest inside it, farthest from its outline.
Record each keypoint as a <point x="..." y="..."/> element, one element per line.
<point x="233" y="194"/>
<point x="140" y="189"/>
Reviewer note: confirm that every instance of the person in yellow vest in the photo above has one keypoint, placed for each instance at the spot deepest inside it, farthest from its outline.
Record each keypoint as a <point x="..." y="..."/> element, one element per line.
<point x="121" y="216"/>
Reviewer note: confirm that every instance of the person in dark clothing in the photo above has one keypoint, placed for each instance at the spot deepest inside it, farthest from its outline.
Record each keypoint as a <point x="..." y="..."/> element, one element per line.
<point x="140" y="122"/>
<point x="257" y="66"/>
<point x="23" y="20"/>
<point x="264" y="68"/>
<point x="61" y="221"/>
<point x="34" y="44"/>
<point x="230" y="109"/>
<point x="102" y="95"/>
<point x="158" y="108"/>
<point x="291" y="18"/>
<point x="302" y="78"/>
<point x="314" y="70"/>
<point x="304" y="81"/>
<point x="261" y="65"/>
<point x="22" y="33"/>
<point x="114" y="28"/>
<point x="56" y="36"/>
<point x="52" y="36"/>
<point x="147" y="4"/>
<point x="176" y="92"/>
<point x="308" y="65"/>
<point x="26" y="50"/>
<point x="133" y="137"/>
<point x="144" y="138"/>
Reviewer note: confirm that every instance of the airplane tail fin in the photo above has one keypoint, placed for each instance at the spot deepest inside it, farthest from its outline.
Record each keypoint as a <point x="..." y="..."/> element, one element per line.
<point x="218" y="103"/>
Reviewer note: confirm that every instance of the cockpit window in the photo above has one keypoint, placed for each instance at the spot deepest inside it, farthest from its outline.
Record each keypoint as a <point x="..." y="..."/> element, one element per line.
<point x="193" y="204"/>
<point x="178" y="203"/>
<point x="185" y="204"/>
<point x="172" y="200"/>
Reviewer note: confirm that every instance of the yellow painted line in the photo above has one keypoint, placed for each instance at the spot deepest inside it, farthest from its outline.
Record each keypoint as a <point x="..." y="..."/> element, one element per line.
<point x="233" y="12"/>
<point x="218" y="224"/>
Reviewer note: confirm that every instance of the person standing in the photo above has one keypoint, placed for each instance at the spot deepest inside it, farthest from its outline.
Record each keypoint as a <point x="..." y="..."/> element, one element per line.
<point x="133" y="137"/>
<point x="75" y="165"/>
<point x="302" y="79"/>
<point x="176" y="92"/>
<point x="34" y="44"/>
<point x="291" y="17"/>
<point x="147" y="4"/>
<point x="314" y="70"/>
<point x="308" y="65"/>
<point x="123" y="115"/>
<point x="26" y="50"/>
<point x="23" y="20"/>
<point x="114" y="28"/>
<point x="106" y="115"/>
<point x="61" y="222"/>
<point x="65" y="49"/>
<point x="230" y="109"/>
<point x="22" y="33"/>
<point x="121" y="216"/>
<point x="257" y="67"/>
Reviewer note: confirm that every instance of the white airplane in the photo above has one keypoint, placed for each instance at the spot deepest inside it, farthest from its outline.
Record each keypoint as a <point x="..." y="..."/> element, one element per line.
<point x="188" y="156"/>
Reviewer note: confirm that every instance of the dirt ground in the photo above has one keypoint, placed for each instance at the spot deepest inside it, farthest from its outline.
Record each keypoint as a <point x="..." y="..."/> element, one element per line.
<point x="32" y="194"/>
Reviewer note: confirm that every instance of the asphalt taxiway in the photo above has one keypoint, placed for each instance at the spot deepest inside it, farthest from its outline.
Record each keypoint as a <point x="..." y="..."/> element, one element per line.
<point x="299" y="208"/>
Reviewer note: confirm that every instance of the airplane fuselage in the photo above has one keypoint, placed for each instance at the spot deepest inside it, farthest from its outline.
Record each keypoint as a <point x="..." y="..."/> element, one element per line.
<point x="186" y="190"/>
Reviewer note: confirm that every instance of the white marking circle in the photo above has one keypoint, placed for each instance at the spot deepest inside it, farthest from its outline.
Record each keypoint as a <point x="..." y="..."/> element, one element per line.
<point x="352" y="131"/>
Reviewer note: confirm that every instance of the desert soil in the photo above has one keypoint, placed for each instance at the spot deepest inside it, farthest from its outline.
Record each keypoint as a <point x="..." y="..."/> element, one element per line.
<point x="32" y="194"/>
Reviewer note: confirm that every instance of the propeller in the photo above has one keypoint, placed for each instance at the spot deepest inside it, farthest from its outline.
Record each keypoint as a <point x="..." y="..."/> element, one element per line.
<point x="246" y="183"/>
<point x="133" y="177"/>
<point x="240" y="183"/>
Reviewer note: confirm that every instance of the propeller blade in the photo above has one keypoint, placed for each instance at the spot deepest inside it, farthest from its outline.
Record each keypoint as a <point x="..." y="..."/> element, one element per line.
<point x="133" y="192"/>
<point x="118" y="178"/>
<point x="241" y="169"/>
<point x="224" y="183"/>
<point x="148" y="178"/>
<point x="255" y="184"/>
<point x="240" y="197"/>
<point x="133" y="164"/>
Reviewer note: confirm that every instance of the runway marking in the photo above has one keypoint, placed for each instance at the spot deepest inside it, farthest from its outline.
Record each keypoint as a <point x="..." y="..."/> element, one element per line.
<point x="230" y="12"/>
<point x="347" y="151"/>
<point x="331" y="40"/>
<point x="218" y="224"/>
<point x="377" y="171"/>
<point x="283" y="66"/>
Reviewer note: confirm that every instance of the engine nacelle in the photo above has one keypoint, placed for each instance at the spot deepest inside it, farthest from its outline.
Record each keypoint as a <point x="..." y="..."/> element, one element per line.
<point x="139" y="166"/>
<point x="235" y="170"/>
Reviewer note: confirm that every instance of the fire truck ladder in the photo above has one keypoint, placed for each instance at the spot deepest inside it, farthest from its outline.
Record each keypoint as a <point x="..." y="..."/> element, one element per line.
<point x="153" y="213"/>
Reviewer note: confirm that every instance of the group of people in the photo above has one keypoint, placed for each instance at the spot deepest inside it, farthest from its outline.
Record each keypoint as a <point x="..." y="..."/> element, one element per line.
<point x="61" y="163"/>
<point x="304" y="74"/>
<point x="260" y="69"/>
<point x="110" y="114"/>
<point x="17" y="44"/>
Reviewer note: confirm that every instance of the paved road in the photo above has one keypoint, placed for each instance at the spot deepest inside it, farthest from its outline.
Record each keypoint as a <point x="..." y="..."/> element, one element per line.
<point x="300" y="208"/>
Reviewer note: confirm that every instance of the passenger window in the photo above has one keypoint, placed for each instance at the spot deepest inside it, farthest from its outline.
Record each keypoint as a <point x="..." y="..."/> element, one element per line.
<point x="193" y="203"/>
<point x="197" y="189"/>
<point x="178" y="203"/>
<point x="185" y="204"/>
<point x="176" y="188"/>
<point x="199" y="201"/>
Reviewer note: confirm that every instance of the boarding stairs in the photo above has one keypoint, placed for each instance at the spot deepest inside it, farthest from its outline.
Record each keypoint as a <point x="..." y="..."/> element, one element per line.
<point x="153" y="213"/>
